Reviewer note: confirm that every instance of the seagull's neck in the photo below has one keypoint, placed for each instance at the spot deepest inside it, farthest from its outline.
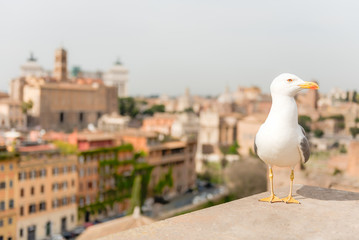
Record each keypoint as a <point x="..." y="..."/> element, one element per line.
<point x="283" y="111"/>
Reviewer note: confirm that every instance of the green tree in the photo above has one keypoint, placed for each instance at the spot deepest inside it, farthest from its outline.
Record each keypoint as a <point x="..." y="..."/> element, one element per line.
<point x="26" y="106"/>
<point x="233" y="148"/>
<point x="155" y="108"/>
<point x="318" y="133"/>
<point x="305" y="122"/>
<point x="65" y="147"/>
<point x="354" y="131"/>
<point x="127" y="107"/>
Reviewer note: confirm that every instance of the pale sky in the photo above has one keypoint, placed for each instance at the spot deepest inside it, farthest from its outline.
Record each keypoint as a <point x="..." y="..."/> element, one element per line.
<point x="205" y="45"/>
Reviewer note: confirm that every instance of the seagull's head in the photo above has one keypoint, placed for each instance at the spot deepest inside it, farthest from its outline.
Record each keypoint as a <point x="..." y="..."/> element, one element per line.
<point x="289" y="85"/>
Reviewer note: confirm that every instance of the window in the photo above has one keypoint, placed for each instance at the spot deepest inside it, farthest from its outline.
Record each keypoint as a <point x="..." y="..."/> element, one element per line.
<point x="32" y="174"/>
<point x="55" y="171"/>
<point x="2" y="185"/>
<point x="11" y="203"/>
<point x="64" y="169"/>
<point x="73" y="199"/>
<point x="32" y="208"/>
<point x="21" y="233"/>
<point x="32" y="191"/>
<point x="22" y="175"/>
<point x="89" y="185"/>
<point x="72" y="218"/>
<point x="62" y="117"/>
<point x="64" y="185"/>
<point x="42" y="206"/>
<point x="73" y="168"/>
<point x="1" y="223"/>
<point x="72" y="182"/>
<point x="10" y="183"/>
<point x="81" y="159"/>
<point x="42" y="172"/>
<point x="21" y="211"/>
<point x="81" y="117"/>
<point x="2" y="167"/>
<point x="64" y="201"/>
<point x="22" y="192"/>
<point x="2" y="206"/>
<point x="48" y="228"/>
<point x="55" y="187"/>
<point x="11" y="166"/>
<point x="42" y="189"/>
<point x="80" y="186"/>
<point x="55" y="203"/>
<point x="9" y="221"/>
<point x="82" y="172"/>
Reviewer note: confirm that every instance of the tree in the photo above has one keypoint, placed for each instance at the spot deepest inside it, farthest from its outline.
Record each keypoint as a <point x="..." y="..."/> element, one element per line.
<point x="354" y="131"/>
<point x="318" y="133"/>
<point x="155" y="108"/>
<point x="233" y="148"/>
<point x="305" y="121"/>
<point x="26" y="106"/>
<point x="127" y="106"/>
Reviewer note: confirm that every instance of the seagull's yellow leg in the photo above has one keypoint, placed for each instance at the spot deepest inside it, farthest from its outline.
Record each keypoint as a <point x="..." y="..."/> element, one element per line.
<point x="290" y="199"/>
<point x="272" y="198"/>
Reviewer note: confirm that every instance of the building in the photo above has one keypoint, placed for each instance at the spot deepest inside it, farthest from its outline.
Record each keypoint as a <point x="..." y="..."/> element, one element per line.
<point x="185" y="126"/>
<point x="32" y="69"/>
<point x="61" y="103"/>
<point x="100" y="171"/>
<point x="184" y="102"/>
<point x="11" y="114"/>
<point x="247" y="130"/>
<point x="8" y="203"/>
<point x="175" y="157"/>
<point x="113" y="122"/>
<point x="85" y="141"/>
<point x="216" y="133"/>
<point x="159" y="123"/>
<point x="117" y="76"/>
<point x="46" y="192"/>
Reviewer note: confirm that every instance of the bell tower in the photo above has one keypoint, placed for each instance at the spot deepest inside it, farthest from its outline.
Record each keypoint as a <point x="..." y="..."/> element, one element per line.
<point x="60" y="70"/>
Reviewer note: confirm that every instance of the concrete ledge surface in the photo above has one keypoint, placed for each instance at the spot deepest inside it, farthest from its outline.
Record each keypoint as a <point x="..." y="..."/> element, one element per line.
<point x="322" y="214"/>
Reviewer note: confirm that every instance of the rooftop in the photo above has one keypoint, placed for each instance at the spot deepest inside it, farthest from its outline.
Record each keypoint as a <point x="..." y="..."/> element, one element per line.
<point x="322" y="214"/>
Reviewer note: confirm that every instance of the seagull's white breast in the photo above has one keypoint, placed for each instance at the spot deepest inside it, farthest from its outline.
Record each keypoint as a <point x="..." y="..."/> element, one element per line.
<point x="277" y="140"/>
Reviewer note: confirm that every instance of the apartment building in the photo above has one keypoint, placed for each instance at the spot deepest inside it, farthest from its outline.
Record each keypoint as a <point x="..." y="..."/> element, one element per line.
<point x="7" y="196"/>
<point x="46" y="192"/>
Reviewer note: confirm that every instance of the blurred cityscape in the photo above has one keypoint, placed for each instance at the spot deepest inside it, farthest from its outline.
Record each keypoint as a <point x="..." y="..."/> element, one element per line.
<point x="80" y="157"/>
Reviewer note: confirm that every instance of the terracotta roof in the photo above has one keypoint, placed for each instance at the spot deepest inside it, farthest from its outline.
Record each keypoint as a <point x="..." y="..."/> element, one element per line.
<point x="96" y="136"/>
<point x="136" y="133"/>
<point x="36" y="148"/>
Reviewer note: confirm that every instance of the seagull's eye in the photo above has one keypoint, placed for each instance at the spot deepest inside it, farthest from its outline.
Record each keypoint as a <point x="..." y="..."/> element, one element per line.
<point x="290" y="80"/>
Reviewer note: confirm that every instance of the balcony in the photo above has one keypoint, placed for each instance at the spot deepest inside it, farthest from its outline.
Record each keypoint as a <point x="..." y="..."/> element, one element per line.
<point x="322" y="214"/>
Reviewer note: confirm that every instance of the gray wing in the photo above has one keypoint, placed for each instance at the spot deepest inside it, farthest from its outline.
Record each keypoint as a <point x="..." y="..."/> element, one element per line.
<point x="255" y="146"/>
<point x="303" y="147"/>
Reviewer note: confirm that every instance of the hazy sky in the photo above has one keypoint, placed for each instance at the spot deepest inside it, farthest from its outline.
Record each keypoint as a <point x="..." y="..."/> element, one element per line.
<point x="203" y="44"/>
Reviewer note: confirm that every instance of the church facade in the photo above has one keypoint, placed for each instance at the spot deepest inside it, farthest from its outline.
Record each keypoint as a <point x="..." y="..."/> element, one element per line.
<point x="60" y="102"/>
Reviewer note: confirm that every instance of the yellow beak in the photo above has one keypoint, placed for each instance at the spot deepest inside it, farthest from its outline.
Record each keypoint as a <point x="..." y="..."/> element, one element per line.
<point x="311" y="85"/>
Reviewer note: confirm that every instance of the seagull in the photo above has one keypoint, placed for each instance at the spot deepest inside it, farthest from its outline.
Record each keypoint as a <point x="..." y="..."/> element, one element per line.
<point x="281" y="141"/>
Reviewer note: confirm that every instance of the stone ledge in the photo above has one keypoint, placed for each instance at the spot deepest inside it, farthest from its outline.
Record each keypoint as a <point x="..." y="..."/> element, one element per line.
<point x="322" y="214"/>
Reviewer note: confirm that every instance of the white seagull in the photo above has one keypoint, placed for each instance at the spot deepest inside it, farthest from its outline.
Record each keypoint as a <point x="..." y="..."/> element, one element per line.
<point x="281" y="141"/>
